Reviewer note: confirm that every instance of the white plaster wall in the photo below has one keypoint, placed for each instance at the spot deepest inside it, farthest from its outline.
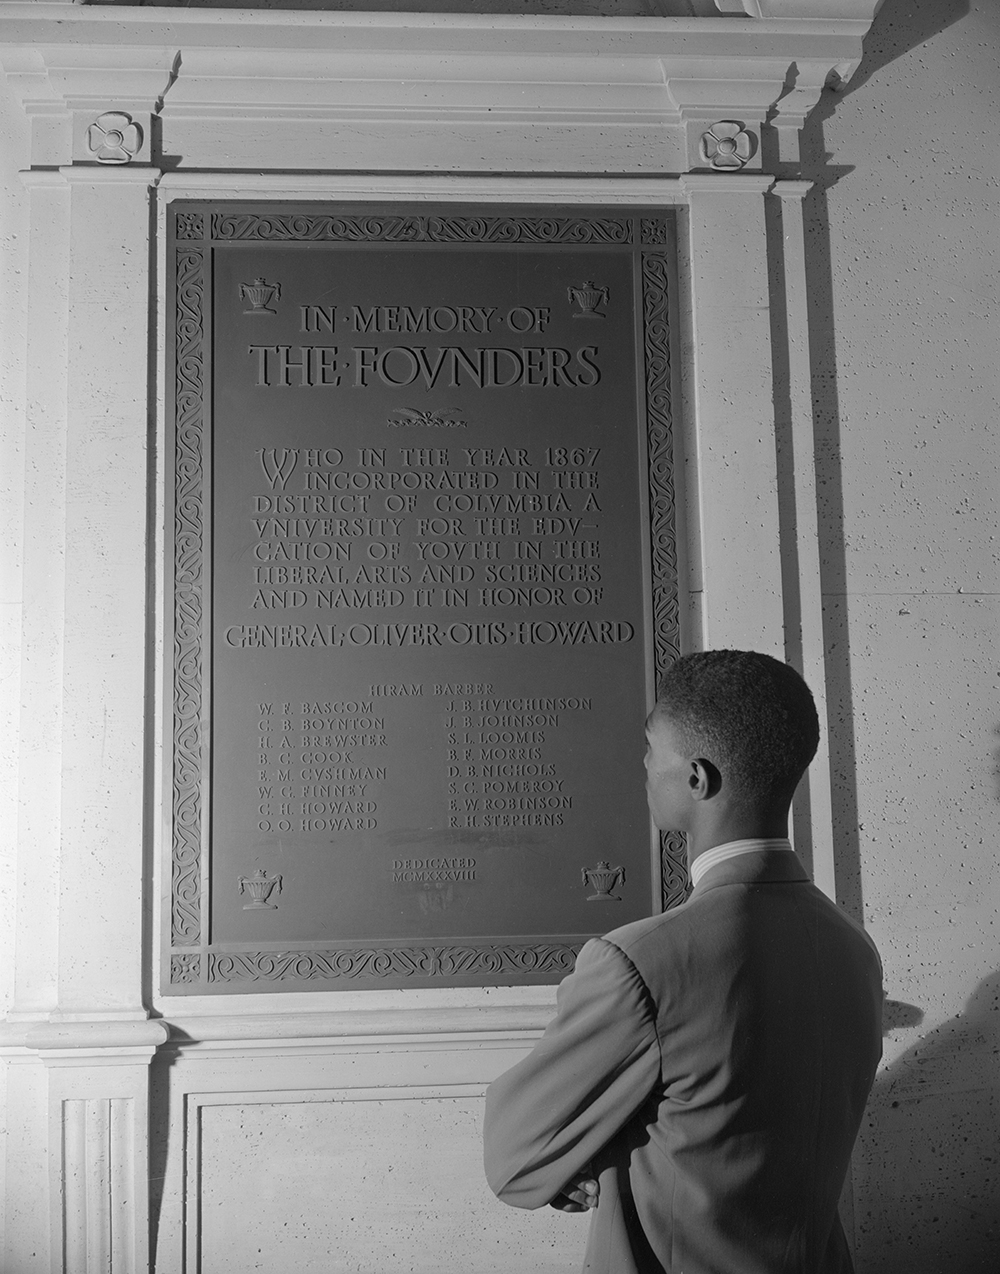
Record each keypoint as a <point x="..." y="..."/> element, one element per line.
<point x="908" y="477"/>
<point x="314" y="1155"/>
<point x="13" y="272"/>
<point x="13" y="237"/>
<point x="324" y="1204"/>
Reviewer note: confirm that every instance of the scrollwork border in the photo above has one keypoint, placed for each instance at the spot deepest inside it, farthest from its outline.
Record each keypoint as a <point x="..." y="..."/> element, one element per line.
<point x="662" y="513"/>
<point x="189" y="553"/>
<point x="398" y="963"/>
<point x="233" y="227"/>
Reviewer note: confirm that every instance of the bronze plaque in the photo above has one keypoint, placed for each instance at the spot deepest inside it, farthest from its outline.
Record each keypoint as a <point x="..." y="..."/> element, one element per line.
<point x="423" y="580"/>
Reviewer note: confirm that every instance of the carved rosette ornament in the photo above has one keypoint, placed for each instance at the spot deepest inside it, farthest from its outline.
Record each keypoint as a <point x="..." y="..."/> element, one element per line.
<point x="189" y="225"/>
<point x="185" y="967"/>
<point x="113" y="138"/>
<point x="727" y="145"/>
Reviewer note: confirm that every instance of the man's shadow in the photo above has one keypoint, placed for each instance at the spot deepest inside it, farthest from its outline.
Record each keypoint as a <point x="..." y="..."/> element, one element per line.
<point x="927" y="1167"/>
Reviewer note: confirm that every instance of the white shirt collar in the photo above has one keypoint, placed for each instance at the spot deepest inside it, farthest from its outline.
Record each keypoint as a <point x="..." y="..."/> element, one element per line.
<point x="733" y="849"/>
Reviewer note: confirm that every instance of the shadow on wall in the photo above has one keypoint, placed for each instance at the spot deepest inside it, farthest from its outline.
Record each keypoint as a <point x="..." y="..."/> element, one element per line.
<point x="899" y="27"/>
<point x="927" y="1169"/>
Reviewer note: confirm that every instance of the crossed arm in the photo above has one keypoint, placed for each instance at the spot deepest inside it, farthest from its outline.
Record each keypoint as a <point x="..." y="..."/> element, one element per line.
<point x="550" y="1115"/>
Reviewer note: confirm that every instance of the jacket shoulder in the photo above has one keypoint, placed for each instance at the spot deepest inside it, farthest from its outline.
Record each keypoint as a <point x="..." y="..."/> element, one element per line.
<point x="708" y="920"/>
<point x="667" y="926"/>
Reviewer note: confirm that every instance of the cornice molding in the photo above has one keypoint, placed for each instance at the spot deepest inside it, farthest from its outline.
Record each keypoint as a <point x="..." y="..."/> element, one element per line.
<point x="632" y="94"/>
<point x="90" y="174"/>
<point x="127" y="18"/>
<point x="726" y="183"/>
<point x="857" y="10"/>
<point x="196" y="1033"/>
<point x="516" y="187"/>
<point x="120" y="1036"/>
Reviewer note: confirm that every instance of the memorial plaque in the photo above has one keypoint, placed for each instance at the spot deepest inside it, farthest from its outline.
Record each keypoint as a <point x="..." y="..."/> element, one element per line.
<point x="423" y="582"/>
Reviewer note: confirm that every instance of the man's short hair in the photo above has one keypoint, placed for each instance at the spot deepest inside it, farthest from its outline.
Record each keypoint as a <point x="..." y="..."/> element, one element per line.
<point x="751" y="715"/>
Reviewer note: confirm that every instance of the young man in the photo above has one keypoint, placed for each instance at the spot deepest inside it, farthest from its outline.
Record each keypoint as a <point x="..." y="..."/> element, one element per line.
<point x="705" y="1075"/>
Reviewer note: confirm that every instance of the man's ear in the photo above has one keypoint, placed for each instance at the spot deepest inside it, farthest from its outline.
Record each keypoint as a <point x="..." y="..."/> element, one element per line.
<point x="704" y="780"/>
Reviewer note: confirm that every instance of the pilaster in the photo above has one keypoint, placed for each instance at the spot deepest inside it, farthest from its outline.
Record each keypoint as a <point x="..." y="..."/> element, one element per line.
<point x="98" y="1118"/>
<point x="108" y="365"/>
<point x="39" y="831"/>
<point x="85" y="604"/>
<point x="734" y="414"/>
<point x="77" y="1039"/>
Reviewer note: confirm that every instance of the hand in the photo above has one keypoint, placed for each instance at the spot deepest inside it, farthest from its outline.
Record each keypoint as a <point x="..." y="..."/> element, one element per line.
<point x="578" y="1195"/>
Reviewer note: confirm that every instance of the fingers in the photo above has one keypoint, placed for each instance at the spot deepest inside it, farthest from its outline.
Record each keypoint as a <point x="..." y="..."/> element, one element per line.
<point x="562" y="1204"/>
<point x="590" y="1190"/>
<point x="583" y="1192"/>
<point x="579" y="1195"/>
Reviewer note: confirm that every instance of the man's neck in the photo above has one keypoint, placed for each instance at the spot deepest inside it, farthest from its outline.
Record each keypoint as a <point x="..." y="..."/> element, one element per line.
<point x="737" y="825"/>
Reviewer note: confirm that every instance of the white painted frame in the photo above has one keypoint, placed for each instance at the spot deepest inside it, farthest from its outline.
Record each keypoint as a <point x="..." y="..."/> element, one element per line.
<point x="731" y="591"/>
<point x="542" y="191"/>
<point x="196" y="1103"/>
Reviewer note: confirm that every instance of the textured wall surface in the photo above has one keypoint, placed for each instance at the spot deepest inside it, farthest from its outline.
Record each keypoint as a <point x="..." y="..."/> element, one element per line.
<point x="13" y="232"/>
<point x="908" y="270"/>
<point x="323" y="1202"/>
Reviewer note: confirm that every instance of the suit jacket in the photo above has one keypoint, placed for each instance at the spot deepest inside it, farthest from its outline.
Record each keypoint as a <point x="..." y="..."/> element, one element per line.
<point x="712" y="1065"/>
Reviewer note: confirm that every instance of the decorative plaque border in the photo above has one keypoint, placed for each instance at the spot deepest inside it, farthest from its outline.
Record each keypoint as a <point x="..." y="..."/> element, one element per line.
<point x="193" y="964"/>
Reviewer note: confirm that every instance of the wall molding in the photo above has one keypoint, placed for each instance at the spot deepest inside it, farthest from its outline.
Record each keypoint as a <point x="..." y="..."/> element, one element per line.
<point x="310" y="90"/>
<point x="196" y="1032"/>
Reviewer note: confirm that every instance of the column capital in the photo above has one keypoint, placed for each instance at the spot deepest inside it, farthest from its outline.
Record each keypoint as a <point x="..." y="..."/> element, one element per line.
<point x="92" y="175"/>
<point x="726" y="183"/>
<point x="792" y="189"/>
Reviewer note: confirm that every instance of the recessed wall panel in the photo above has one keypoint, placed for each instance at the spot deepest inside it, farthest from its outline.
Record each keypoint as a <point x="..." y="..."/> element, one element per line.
<point x="327" y="1201"/>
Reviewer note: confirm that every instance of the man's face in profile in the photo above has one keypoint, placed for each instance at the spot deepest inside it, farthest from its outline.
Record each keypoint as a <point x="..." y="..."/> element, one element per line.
<point x="668" y="769"/>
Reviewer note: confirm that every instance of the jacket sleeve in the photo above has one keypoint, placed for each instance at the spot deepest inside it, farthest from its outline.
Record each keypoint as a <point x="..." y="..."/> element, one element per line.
<point x="597" y="1062"/>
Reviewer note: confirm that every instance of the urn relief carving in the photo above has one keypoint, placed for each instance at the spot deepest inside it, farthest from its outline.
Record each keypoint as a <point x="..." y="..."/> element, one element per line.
<point x="260" y="887"/>
<point x="260" y="296"/>
<point x="588" y="298"/>
<point x="603" y="879"/>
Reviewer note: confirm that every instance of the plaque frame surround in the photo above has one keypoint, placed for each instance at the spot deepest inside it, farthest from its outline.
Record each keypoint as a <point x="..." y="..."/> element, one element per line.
<point x="194" y="964"/>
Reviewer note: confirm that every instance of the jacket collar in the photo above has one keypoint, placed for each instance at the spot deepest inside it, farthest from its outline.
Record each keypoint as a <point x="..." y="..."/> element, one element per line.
<point x="767" y="866"/>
